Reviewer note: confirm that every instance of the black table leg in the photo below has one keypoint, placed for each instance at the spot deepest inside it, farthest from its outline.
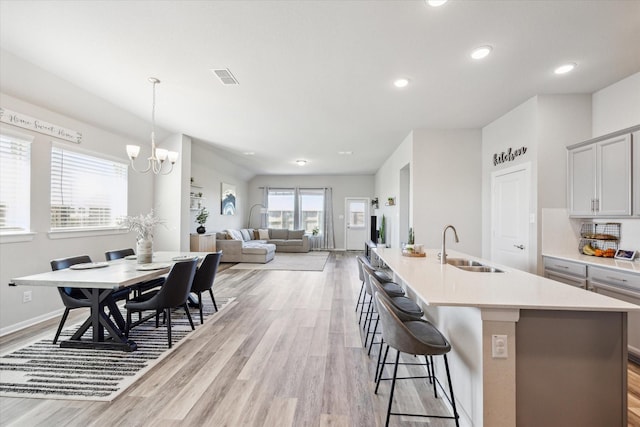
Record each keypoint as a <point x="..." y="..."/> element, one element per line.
<point x="99" y="321"/>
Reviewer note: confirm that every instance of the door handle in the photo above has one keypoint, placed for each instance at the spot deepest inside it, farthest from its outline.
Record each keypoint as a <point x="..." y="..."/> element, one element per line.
<point x="521" y="247"/>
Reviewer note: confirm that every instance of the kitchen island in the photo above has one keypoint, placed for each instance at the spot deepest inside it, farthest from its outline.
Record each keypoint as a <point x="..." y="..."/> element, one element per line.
<point x="526" y="350"/>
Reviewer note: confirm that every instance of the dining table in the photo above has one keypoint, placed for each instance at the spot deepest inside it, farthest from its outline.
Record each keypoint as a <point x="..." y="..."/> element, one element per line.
<point x="98" y="280"/>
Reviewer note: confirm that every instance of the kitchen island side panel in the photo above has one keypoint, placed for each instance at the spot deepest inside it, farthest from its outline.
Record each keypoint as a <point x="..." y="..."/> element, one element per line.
<point x="571" y="369"/>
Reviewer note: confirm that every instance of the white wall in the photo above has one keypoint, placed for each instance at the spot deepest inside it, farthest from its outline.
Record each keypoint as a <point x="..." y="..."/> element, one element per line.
<point x="447" y="187"/>
<point x="31" y="257"/>
<point x="515" y="129"/>
<point x="343" y="186"/>
<point x="617" y="106"/>
<point x="387" y="184"/>
<point x="210" y="169"/>
<point x="545" y="124"/>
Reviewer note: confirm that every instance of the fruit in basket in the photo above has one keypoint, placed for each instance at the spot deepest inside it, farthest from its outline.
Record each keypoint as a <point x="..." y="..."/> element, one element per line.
<point x="609" y="253"/>
<point x="588" y="250"/>
<point x="599" y="252"/>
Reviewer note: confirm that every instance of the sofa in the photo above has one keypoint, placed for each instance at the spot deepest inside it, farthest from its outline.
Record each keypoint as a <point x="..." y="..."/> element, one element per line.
<point x="259" y="246"/>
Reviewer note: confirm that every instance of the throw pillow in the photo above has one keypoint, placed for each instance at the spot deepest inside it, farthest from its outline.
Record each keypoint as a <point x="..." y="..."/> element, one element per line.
<point x="263" y="234"/>
<point x="235" y="234"/>
<point x="245" y="235"/>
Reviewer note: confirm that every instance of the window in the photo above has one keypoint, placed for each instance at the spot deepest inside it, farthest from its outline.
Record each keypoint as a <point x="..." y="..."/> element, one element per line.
<point x="15" y="182"/>
<point x="87" y="192"/>
<point x="296" y="209"/>
<point x="281" y="209"/>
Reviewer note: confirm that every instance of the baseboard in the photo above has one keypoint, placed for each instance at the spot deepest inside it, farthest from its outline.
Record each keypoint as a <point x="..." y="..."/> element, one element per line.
<point x="30" y="322"/>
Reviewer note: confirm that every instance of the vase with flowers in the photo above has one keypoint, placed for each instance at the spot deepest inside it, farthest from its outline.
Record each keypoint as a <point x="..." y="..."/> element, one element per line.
<point x="143" y="225"/>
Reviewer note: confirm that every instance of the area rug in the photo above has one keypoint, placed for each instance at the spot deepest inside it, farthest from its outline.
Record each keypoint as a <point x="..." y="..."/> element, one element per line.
<point x="47" y="371"/>
<point x="311" y="261"/>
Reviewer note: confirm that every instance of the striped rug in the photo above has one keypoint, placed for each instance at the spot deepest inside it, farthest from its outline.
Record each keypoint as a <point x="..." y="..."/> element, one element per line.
<point x="47" y="371"/>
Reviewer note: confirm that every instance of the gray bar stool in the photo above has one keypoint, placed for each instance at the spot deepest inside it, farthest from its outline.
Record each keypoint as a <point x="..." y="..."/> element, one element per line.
<point x="383" y="277"/>
<point x="417" y="337"/>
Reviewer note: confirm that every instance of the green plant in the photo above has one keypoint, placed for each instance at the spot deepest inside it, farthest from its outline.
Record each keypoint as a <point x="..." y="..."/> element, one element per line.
<point x="315" y="231"/>
<point x="411" y="236"/>
<point x="381" y="238"/>
<point x="202" y="216"/>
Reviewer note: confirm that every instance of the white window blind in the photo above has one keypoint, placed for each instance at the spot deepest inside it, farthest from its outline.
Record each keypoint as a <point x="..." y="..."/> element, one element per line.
<point x="15" y="182"/>
<point x="87" y="192"/>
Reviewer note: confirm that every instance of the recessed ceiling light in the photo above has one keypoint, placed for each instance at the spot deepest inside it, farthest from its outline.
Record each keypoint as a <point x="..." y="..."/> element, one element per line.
<point x="436" y="3"/>
<point x="401" y="83"/>
<point x="345" y="153"/>
<point x="481" y="52"/>
<point x="301" y="162"/>
<point x="249" y="153"/>
<point x="565" y="68"/>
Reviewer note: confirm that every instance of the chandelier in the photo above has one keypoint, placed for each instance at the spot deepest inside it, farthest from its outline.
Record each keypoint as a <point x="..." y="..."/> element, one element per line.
<point x="158" y="155"/>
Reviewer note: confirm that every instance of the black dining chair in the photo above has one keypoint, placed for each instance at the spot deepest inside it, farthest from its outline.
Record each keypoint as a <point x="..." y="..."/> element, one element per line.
<point x="173" y="294"/>
<point x="74" y="297"/>
<point x="71" y="297"/>
<point x="204" y="278"/>
<point x="140" y="287"/>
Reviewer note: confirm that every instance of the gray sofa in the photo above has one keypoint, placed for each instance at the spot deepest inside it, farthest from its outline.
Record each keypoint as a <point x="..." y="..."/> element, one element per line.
<point x="245" y="245"/>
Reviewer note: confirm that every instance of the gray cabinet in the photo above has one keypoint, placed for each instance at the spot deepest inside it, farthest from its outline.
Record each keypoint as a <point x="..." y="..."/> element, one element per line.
<point x="570" y="273"/>
<point x="599" y="177"/>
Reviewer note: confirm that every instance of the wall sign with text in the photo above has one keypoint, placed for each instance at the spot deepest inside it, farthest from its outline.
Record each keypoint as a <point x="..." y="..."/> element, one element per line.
<point x="27" y="122"/>
<point x="508" y="156"/>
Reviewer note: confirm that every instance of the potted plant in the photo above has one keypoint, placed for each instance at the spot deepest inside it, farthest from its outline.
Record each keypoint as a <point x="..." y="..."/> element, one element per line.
<point x="202" y="219"/>
<point x="315" y="231"/>
<point x="382" y="231"/>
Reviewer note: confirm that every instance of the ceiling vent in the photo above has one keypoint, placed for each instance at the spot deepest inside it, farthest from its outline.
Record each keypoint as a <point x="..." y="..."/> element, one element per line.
<point x="225" y="76"/>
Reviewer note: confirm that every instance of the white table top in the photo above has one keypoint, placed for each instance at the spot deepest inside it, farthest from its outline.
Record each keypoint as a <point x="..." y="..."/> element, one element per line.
<point x="117" y="274"/>
<point x="446" y="285"/>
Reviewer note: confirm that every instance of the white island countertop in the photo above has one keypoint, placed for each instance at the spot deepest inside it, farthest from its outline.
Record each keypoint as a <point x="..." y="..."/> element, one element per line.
<point x="446" y="285"/>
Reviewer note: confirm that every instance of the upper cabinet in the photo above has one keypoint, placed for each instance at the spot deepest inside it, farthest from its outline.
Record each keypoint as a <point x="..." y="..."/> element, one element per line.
<point x="599" y="177"/>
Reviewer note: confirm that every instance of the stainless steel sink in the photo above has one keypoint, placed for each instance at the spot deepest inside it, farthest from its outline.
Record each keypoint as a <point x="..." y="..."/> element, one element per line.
<point x="470" y="265"/>
<point x="480" y="268"/>
<point x="457" y="262"/>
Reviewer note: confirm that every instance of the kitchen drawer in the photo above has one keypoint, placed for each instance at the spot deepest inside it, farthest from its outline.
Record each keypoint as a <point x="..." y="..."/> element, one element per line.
<point x="615" y="277"/>
<point x="566" y="267"/>
<point x="567" y="279"/>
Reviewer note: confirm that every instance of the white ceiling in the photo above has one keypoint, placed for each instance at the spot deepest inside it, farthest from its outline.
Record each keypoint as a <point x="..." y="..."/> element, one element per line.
<point x="316" y="76"/>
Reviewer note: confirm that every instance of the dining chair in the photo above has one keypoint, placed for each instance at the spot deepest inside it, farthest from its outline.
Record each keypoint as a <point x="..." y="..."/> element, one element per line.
<point x="140" y="287"/>
<point x="173" y="294"/>
<point x="204" y="278"/>
<point x="74" y="297"/>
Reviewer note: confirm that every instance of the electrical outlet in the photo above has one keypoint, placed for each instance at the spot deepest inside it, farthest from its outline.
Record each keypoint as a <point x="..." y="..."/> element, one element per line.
<point x="499" y="347"/>
<point x="26" y="296"/>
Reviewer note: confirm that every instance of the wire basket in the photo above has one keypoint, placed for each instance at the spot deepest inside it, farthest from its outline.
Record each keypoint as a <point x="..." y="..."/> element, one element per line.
<point x="601" y="236"/>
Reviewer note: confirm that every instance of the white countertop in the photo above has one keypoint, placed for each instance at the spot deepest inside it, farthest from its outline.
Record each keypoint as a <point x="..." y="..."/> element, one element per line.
<point x="626" y="266"/>
<point x="446" y="285"/>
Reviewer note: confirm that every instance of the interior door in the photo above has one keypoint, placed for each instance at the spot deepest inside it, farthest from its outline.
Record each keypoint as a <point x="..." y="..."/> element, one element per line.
<point x="357" y="216"/>
<point x="510" y="217"/>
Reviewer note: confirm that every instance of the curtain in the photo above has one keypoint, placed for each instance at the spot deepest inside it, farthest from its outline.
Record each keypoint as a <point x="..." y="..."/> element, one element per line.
<point x="265" y="202"/>
<point x="328" y="239"/>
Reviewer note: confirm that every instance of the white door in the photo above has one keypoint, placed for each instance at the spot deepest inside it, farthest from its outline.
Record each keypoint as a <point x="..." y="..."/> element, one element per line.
<point x="357" y="218"/>
<point x="510" y="217"/>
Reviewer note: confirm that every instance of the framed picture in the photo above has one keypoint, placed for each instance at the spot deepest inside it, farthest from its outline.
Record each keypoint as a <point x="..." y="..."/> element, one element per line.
<point x="625" y="255"/>
<point x="228" y="202"/>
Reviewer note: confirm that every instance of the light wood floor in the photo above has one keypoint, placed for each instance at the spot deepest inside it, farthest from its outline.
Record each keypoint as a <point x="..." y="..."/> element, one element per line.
<point x="286" y="352"/>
